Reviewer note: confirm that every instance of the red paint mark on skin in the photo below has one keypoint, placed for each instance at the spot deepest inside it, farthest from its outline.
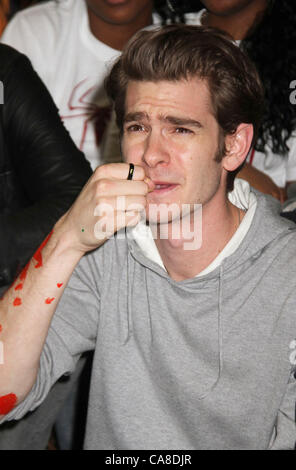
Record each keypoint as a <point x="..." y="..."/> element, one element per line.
<point x="19" y="286"/>
<point x="17" y="301"/>
<point x="7" y="403"/>
<point x="60" y="284"/>
<point x="0" y="328"/>
<point x="38" y="255"/>
<point x="48" y="301"/>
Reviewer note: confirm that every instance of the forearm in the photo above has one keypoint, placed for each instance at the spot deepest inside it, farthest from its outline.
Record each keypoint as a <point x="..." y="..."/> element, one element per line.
<point x="26" y="313"/>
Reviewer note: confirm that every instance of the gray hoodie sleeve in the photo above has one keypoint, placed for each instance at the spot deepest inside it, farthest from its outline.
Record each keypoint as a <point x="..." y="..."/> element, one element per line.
<point x="73" y="331"/>
<point x="284" y="437"/>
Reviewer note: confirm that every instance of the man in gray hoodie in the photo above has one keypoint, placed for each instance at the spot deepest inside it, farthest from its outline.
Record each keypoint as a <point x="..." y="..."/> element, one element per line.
<point x="190" y="310"/>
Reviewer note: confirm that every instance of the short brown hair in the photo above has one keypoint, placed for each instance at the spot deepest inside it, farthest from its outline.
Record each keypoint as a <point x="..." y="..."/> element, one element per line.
<point x="178" y="52"/>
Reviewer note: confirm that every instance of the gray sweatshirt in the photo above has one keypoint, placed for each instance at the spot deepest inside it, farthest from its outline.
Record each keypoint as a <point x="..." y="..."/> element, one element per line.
<point x="205" y="363"/>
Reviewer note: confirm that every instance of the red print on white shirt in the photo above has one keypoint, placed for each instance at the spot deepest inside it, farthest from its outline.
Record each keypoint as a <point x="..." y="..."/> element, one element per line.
<point x="88" y="109"/>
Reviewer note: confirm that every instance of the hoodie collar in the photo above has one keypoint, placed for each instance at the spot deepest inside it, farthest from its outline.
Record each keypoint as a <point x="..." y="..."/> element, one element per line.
<point x="261" y="225"/>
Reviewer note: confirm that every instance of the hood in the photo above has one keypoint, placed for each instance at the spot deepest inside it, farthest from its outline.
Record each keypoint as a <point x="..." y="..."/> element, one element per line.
<point x="265" y="225"/>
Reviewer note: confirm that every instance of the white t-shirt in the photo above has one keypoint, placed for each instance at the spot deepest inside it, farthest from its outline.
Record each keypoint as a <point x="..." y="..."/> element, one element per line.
<point x="73" y="64"/>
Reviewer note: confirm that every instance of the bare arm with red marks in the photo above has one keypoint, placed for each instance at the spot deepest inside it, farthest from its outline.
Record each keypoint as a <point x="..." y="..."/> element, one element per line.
<point x="25" y="319"/>
<point x="27" y="308"/>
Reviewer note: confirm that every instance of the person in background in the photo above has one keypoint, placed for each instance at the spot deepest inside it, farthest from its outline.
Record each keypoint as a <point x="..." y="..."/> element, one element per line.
<point x="72" y="44"/>
<point x="41" y="173"/>
<point x="266" y="31"/>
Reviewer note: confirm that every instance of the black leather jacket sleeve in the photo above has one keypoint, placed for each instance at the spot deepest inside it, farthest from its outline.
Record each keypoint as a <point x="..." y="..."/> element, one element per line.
<point x="46" y="171"/>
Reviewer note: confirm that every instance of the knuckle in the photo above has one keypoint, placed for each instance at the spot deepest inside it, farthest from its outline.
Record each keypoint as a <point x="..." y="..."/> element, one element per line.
<point x="101" y="171"/>
<point x="103" y="186"/>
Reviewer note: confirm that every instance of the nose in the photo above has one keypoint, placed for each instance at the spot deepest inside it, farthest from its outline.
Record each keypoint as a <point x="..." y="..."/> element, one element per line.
<point x="155" y="150"/>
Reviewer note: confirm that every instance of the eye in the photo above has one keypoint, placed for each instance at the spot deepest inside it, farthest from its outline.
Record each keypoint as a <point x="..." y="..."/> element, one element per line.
<point x="183" y="130"/>
<point x="135" y="128"/>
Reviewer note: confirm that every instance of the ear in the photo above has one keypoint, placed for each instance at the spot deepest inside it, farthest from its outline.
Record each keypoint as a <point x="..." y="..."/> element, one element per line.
<point x="237" y="146"/>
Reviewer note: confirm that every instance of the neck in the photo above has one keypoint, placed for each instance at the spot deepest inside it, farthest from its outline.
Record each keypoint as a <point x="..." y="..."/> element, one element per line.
<point x="238" y="24"/>
<point x="218" y="227"/>
<point x="117" y="35"/>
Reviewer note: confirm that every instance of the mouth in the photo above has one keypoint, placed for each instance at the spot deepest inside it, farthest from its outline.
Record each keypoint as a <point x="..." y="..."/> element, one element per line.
<point x="161" y="187"/>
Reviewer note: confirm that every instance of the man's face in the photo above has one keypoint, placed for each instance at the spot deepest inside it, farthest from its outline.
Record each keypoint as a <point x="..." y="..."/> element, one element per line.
<point x="226" y="7"/>
<point x="119" y="11"/>
<point x="169" y="130"/>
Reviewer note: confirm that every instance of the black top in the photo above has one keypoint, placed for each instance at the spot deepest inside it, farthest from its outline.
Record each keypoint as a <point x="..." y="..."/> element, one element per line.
<point x="41" y="170"/>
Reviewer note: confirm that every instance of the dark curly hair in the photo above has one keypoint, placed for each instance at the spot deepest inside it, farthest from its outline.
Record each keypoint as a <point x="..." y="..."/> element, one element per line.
<point x="271" y="46"/>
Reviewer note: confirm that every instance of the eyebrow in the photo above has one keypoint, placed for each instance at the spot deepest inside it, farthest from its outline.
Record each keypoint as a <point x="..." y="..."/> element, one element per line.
<point x="175" y="120"/>
<point x="137" y="116"/>
<point x="180" y="121"/>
